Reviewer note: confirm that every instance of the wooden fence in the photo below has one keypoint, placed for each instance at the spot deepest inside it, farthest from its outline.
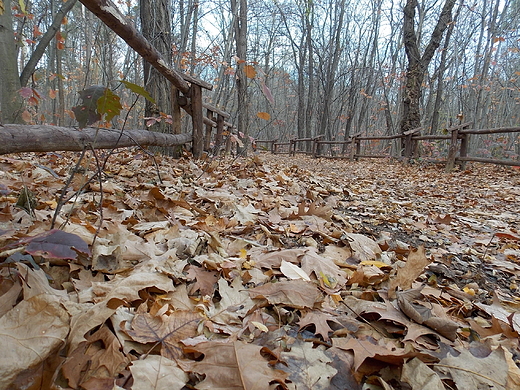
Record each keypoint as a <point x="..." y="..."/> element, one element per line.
<point x="186" y="89"/>
<point x="458" y="138"/>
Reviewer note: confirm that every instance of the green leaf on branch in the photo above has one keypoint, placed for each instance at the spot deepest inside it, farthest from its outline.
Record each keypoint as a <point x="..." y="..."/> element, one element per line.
<point x="97" y="101"/>
<point x="138" y="90"/>
<point x="109" y="104"/>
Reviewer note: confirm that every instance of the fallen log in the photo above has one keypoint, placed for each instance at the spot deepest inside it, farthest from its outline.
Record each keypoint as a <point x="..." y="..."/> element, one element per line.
<point x="47" y="138"/>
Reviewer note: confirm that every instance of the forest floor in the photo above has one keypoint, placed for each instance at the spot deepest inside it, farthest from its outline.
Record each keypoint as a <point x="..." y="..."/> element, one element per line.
<point x="259" y="273"/>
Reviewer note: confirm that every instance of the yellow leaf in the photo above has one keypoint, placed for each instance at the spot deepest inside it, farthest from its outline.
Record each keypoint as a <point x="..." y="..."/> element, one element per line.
<point x="250" y="71"/>
<point x="52" y="204"/>
<point x="260" y="326"/>
<point x="263" y="115"/>
<point x="378" y="264"/>
<point x="2" y="9"/>
<point x="331" y="283"/>
<point x="469" y="290"/>
<point x="243" y="253"/>
<point x="22" y="6"/>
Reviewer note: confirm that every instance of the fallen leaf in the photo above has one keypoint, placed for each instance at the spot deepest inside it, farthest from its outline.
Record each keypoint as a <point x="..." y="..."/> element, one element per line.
<point x="30" y="332"/>
<point x="167" y="330"/>
<point x="158" y="373"/>
<point x="294" y="293"/>
<point x="415" y="265"/>
<point x="233" y="365"/>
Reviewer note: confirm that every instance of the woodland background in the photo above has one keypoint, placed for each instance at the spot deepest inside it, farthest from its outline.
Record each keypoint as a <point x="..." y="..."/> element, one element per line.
<point x="123" y="270"/>
<point x="329" y="68"/>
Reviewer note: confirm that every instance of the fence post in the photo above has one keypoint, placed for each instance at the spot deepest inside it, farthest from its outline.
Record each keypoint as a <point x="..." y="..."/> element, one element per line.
<point x="464" y="146"/>
<point x="209" y="128"/>
<point x="220" y="131"/>
<point x="292" y="147"/>
<point x="355" y="147"/>
<point x="452" y="152"/>
<point x="197" y="120"/>
<point x="316" y="148"/>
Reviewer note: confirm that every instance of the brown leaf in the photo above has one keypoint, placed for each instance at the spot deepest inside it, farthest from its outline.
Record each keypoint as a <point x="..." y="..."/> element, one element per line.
<point x="167" y="330"/>
<point x="205" y="280"/>
<point x="424" y="315"/>
<point x="29" y="333"/>
<point x="263" y="115"/>
<point x="233" y="365"/>
<point x="158" y="373"/>
<point x="329" y="275"/>
<point x="415" y="265"/>
<point x="97" y="359"/>
<point x="321" y="322"/>
<point x="309" y="367"/>
<point x="365" y="348"/>
<point x="294" y="293"/>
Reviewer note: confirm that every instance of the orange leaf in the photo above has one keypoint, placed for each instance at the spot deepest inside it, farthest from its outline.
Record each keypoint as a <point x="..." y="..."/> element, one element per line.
<point x="26" y="116"/>
<point x="250" y="71"/>
<point x="263" y="115"/>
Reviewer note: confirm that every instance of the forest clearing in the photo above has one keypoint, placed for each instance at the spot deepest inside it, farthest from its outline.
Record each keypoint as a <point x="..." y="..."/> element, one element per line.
<point x="257" y="273"/>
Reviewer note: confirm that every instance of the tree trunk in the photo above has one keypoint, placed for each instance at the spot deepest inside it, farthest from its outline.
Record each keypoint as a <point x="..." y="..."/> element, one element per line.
<point x="46" y="138"/>
<point x="10" y="101"/>
<point x="156" y="28"/>
<point x="240" y="10"/>
<point x="417" y="64"/>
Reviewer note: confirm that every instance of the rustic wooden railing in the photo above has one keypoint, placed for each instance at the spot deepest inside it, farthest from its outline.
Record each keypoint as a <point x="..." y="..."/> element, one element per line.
<point x="458" y="137"/>
<point x="190" y="87"/>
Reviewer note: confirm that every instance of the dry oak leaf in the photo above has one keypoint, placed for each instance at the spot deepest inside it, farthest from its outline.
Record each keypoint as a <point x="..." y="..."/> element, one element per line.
<point x="94" y="360"/>
<point x="420" y="376"/>
<point x="274" y="259"/>
<point x="234" y="305"/>
<point x="309" y="367"/>
<point x="29" y="334"/>
<point x="415" y="265"/>
<point x="168" y="330"/>
<point x="363" y="247"/>
<point x="232" y="366"/>
<point x="158" y="373"/>
<point x="329" y="275"/>
<point x="495" y="371"/>
<point x="421" y="314"/>
<point x="205" y="280"/>
<point x="321" y="322"/>
<point x="293" y="293"/>
<point x="368" y="348"/>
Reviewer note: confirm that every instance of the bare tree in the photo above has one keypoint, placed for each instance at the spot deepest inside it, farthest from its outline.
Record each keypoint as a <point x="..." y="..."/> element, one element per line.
<point x="10" y="100"/>
<point x="417" y="63"/>
<point x="156" y="28"/>
<point x="239" y="9"/>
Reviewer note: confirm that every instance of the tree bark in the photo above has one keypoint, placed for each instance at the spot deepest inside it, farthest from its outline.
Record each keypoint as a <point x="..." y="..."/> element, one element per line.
<point x="46" y="138"/>
<point x="239" y="8"/>
<point x="156" y="28"/>
<point x="11" y="104"/>
<point x="417" y="63"/>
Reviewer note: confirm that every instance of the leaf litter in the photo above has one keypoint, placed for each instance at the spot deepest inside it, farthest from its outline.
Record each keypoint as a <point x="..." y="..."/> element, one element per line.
<point x="262" y="273"/>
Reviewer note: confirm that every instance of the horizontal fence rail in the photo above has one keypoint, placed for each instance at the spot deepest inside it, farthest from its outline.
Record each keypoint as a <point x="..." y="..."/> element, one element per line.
<point x="406" y="146"/>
